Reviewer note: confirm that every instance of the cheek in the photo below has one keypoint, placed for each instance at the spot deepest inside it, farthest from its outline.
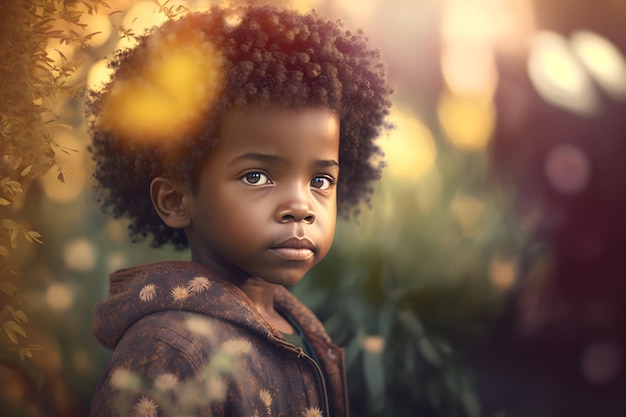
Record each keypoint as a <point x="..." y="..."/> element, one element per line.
<point x="234" y="215"/>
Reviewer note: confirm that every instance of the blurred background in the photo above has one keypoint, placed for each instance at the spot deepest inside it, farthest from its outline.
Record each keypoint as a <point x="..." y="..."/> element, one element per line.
<point x="487" y="279"/>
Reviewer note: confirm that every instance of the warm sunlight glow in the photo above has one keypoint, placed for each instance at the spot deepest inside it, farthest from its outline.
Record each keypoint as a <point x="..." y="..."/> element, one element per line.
<point x="504" y="24"/>
<point x="169" y="92"/>
<point x="467" y="120"/>
<point x="469" y="69"/>
<point x="99" y="25"/>
<point x="410" y="149"/>
<point x="142" y="16"/>
<point x="99" y="75"/>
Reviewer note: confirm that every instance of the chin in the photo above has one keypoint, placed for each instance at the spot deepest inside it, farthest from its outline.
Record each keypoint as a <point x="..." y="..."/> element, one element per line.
<point x="288" y="280"/>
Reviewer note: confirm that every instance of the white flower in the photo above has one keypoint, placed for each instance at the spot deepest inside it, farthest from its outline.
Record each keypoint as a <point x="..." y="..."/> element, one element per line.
<point x="198" y="284"/>
<point x="165" y="382"/>
<point x="179" y="293"/>
<point x="145" y="407"/>
<point x="148" y="292"/>
<point x="312" y="412"/>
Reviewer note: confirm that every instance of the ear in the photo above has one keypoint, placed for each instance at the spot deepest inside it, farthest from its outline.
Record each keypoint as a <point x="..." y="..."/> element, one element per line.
<point x="168" y="200"/>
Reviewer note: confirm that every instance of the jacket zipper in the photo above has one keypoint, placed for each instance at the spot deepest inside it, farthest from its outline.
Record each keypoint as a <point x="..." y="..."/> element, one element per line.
<point x="320" y="374"/>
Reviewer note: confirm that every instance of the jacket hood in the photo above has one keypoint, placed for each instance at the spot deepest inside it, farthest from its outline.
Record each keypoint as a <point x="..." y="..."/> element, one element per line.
<point x="187" y="286"/>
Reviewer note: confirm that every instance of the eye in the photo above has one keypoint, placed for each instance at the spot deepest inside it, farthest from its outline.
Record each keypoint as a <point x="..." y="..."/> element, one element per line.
<point x="256" y="178"/>
<point x="323" y="182"/>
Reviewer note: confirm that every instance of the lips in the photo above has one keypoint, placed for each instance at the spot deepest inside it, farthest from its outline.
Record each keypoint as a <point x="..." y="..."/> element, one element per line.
<point x="294" y="249"/>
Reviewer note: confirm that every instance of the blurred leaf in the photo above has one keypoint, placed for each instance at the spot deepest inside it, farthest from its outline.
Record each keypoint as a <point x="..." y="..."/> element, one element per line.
<point x="11" y="328"/>
<point x="411" y="322"/>
<point x="374" y="374"/>
<point x="8" y="288"/>
<point x="471" y="404"/>
<point x="19" y="316"/>
<point x="428" y="350"/>
<point x="26" y="171"/>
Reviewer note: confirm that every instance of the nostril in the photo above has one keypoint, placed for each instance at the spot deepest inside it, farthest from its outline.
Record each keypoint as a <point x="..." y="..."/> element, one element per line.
<point x="288" y="217"/>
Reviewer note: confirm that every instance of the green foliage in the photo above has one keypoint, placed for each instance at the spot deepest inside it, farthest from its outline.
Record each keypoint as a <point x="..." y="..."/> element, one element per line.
<point x="412" y="284"/>
<point x="30" y="86"/>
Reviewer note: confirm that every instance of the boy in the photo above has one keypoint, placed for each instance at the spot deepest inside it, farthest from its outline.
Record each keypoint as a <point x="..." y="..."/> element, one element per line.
<point x="238" y="133"/>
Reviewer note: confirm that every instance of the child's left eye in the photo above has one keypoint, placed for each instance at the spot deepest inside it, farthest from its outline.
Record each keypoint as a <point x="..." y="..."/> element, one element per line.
<point x="322" y="183"/>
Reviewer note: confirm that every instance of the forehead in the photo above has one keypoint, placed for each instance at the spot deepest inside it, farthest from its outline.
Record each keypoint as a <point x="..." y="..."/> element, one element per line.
<point x="270" y="129"/>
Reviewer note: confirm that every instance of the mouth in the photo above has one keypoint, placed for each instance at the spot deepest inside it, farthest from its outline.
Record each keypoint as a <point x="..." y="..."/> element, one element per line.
<point x="294" y="249"/>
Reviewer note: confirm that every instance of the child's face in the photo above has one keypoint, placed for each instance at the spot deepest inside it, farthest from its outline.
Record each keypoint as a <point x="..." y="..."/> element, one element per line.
<point x="266" y="201"/>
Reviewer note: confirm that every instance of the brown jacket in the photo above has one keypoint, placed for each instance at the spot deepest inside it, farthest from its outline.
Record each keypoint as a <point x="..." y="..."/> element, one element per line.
<point x="188" y="343"/>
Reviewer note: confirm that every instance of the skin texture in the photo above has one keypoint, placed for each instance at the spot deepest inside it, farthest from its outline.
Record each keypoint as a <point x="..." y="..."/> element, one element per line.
<point x="265" y="209"/>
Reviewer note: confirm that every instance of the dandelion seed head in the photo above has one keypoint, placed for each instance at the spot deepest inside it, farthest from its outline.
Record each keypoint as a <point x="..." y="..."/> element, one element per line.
<point x="145" y="407"/>
<point x="312" y="412"/>
<point x="198" y="284"/>
<point x="179" y="293"/>
<point x="148" y="292"/>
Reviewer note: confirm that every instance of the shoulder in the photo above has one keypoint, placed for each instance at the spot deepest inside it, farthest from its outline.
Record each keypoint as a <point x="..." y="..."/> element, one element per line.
<point x="165" y="360"/>
<point x="177" y="338"/>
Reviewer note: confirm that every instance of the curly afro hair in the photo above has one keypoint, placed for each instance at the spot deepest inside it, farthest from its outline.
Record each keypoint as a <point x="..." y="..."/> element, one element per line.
<point x="269" y="57"/>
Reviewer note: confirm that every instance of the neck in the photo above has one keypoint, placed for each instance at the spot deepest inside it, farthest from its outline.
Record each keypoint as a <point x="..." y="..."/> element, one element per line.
<point x="261" y="293"/>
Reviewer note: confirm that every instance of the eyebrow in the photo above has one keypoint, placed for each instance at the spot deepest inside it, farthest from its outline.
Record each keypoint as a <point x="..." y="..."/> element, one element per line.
<point x="275" y="159"/>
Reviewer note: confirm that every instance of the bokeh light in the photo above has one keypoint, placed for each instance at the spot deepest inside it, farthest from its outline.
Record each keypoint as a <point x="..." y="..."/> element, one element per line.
<point x="410" y="149"/>
<point x="99" y="75"/>
<point x="568" y="169"/>
<point x="558" y="77"/>
<point x="59" y="296"/>
<point x="601" y="361"/>
<point x="603" y="60"/>
<point x="115" y="261"/>
<point x="469" y="69"/>
<point x="502" y="273"/>
<point x="373" y="344"/>
<point x="80" y="254"/>
<point x="468" y="121"/>
<point x="100" y="26"/>
<point x="142" y="16"/>
<point x="169" y="92"/>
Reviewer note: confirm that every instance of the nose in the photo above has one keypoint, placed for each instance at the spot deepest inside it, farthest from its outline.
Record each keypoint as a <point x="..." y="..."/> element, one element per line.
<point x="295" y="208"/>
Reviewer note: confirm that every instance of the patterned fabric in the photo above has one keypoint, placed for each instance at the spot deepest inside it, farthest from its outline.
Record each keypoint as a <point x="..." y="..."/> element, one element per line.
<point x="187" y="343"/>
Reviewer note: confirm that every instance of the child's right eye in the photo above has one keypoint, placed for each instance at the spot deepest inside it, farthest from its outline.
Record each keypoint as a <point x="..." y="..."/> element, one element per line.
<point x="256" y="178"/>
